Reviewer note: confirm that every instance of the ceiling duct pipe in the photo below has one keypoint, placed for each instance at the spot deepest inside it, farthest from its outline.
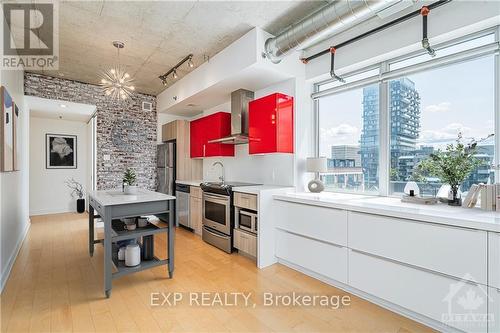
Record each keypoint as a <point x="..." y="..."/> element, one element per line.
<point x="329" y="20"/>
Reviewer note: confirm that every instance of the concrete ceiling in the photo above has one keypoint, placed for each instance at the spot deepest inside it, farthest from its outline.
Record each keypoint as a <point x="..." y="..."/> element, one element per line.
<point x="158" y="34"/>
<point x="55" y="109"/>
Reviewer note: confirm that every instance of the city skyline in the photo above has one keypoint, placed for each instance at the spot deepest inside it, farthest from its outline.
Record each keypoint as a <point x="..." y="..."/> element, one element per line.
<point x="422" y="121"/>
<point x="471" y="113"/>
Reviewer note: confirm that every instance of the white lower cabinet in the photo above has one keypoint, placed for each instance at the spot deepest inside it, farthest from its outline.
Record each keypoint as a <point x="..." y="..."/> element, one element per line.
<point x="457" y="252"/>
<point x="320" y="257"/>
<point x="494" y="260"/>
<point x="494" y="310"/>
<point x="456" y="303"/>
<point x="322" y="223"/>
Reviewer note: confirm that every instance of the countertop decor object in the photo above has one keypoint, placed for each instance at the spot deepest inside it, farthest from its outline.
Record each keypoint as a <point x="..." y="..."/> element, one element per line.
<point x="113" y="205"/>
<point x="452" y="165"/>
<point x="316" y="165"/>
<point x="129" y="182"/>
<point x="411" y="189"/>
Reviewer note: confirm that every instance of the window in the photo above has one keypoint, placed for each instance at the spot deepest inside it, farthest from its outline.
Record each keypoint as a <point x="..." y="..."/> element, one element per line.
<point x="426" y="106"/>
<point x="348" y="127"/>
<point x="436" y="106"/>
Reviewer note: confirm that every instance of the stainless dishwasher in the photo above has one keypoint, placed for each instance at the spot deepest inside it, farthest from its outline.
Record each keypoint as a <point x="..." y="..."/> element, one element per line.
<point x="182" y="205"/>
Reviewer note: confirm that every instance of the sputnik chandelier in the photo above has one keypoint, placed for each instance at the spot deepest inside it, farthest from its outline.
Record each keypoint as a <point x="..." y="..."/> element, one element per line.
<point x="116" y="82"/>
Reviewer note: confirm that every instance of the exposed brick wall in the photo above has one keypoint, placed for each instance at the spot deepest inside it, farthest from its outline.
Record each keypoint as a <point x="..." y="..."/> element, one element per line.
<point x="124" y="131"/>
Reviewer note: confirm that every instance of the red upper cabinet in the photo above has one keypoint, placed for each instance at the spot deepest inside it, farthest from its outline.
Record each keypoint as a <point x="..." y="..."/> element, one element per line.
<point x="271" y="124"/>
<point x="211" y="127"/>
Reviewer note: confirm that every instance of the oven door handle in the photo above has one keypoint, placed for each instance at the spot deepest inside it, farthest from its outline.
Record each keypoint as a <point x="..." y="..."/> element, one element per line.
<point x="216" y="196"/>
<point x="215" y="233"/>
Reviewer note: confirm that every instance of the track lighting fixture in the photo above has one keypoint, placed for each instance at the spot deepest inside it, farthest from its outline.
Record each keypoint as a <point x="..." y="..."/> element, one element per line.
<point x="173" y="70"/>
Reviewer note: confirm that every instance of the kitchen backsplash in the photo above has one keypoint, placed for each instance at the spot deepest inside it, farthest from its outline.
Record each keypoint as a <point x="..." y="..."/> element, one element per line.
<point x="269" y="169"/>
<point x="124" y="132"/>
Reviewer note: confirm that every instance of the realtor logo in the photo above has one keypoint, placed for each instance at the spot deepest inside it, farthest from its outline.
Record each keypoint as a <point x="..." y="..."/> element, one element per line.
<point x="467" y="305"/>
<point x="30" y="36"/>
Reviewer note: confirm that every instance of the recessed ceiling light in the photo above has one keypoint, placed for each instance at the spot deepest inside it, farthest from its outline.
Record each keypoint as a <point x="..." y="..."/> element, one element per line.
<point x="63" y="105"/>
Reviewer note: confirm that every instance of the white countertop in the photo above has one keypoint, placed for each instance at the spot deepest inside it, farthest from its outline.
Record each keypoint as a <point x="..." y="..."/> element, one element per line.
<point x="256" y="189"/>
<point x="195" y="182"/>
<point x="474" y="218"/>
<point x="117" y="197"/>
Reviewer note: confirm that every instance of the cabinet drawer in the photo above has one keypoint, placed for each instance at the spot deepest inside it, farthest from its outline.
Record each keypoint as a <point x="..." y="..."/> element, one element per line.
<point x="433" y="295"/>
<point x="454" y="251"/>
<point x="195" y="191"/>
<point x="494" y="260"/>
<point x="494" y="310"/>
<point x="323" y="258"/>
<point x="245" y="242"/>
<point x="321" y="223"/>
<point x="245" y="200"/>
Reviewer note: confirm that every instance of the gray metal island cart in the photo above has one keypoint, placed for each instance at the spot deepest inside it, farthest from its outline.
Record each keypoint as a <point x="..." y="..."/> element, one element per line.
<point x="113" y="205"/>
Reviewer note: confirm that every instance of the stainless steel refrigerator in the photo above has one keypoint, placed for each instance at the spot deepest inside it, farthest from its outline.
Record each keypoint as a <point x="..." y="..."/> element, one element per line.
<point x="165" y="165"/>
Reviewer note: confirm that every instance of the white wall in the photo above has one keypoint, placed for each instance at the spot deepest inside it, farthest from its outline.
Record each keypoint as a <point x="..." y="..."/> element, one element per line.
<point x="48" y="191"/>
<point x="14" y="201"/>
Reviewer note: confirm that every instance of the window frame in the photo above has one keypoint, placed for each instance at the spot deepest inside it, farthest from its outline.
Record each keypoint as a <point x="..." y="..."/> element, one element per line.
<point x="385" y="75"/>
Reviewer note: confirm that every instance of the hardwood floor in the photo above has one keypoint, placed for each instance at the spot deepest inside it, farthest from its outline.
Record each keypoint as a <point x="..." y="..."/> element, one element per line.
<point x="56" y="286"/>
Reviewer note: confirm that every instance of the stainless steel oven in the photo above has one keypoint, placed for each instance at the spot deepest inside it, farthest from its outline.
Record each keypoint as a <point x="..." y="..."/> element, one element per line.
<point x="217" y="212"/>
<point x="247" y="220"/>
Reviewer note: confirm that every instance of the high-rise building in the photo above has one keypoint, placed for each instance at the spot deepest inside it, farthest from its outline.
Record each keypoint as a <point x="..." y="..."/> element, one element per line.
<point x="344" y="168"/>
<point x="369" y="142"/>
<point x="405" y="118"/>
<point x="404" y="106"/>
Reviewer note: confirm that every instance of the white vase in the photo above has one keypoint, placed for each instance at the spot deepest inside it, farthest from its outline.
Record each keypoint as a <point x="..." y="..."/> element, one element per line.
<point x="130" y="189"/>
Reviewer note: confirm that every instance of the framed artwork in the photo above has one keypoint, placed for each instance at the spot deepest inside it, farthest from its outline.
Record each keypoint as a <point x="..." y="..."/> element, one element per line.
<point x="15" y="137"/>
<point x="60" y="151"/>
<point x="6" y="131"/>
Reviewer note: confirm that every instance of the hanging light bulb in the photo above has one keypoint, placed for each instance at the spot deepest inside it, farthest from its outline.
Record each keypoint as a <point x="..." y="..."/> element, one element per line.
<point x="174" y="75"/>
<point x="190" y="62"/>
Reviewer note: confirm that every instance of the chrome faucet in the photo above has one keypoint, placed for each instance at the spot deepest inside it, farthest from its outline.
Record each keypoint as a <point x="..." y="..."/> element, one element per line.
<point x="221" y="178"/>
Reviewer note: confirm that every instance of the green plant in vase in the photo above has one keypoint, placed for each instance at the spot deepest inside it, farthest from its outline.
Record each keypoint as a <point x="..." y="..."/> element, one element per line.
<point x="452" y="165"/>
<point x="129" y="182"/>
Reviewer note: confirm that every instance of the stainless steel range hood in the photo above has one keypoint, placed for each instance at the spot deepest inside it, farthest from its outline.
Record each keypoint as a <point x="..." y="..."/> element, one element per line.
<point x="239" y="118"/>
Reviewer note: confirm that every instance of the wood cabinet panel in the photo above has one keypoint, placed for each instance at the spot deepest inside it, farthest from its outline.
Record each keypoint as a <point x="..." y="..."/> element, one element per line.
<point x="245" y="242"/>
<point x="245" y="200"/>
<point x="186" y="168"/>
<point x="195" y="191"/>
<point x="195" y="214"/>
<point x="169" y="131"/>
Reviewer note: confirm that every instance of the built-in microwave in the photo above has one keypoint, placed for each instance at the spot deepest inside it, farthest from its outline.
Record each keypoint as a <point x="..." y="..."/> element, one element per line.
<point x="247" y="220"/>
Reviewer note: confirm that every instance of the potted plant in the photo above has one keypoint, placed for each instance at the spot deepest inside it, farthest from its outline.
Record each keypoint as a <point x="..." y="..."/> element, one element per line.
<point x="77" y="190"/>
<point x="129" y="182"/>
<point x="452" y="166"/>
